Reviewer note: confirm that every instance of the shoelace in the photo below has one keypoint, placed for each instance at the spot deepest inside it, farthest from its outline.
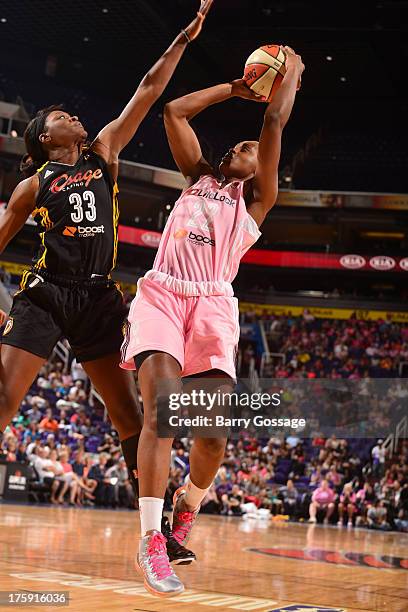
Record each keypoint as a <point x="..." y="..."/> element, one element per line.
<point x="159" y="560"/>
<point x="181" y="531"/>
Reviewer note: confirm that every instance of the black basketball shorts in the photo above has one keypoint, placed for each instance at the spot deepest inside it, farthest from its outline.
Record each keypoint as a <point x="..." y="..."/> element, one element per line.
<point x="90" y="316"/>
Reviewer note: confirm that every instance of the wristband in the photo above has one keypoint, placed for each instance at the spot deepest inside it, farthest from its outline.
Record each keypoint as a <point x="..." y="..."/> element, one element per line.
<point x="188" y="39"/>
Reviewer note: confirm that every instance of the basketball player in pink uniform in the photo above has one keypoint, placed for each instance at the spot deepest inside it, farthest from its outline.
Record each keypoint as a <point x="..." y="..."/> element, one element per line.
<point x="184" y="318"/>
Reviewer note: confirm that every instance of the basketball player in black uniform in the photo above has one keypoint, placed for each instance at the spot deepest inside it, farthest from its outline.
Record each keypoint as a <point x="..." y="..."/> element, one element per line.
<point x="72" y="194"/>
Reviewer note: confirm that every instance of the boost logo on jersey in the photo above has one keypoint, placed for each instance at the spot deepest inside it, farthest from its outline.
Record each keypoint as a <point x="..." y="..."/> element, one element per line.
<point x="199" y="239"/>
<point x="84" y="232"/>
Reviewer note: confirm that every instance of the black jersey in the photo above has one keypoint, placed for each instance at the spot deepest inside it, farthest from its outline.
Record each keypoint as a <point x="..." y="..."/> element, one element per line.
<point x="77" y="218"/>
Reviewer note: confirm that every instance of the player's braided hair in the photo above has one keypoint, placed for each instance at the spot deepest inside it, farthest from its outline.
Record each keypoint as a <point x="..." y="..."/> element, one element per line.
<point x="37" y="155"/>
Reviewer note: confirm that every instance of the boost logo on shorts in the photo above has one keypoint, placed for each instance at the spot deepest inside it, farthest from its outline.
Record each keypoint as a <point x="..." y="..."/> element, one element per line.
<point x="199" y="239"/>
<point x="8" y="327"/>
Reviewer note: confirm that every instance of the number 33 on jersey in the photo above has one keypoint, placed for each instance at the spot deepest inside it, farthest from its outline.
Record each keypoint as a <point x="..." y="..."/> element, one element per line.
<point x="77" y="204"/>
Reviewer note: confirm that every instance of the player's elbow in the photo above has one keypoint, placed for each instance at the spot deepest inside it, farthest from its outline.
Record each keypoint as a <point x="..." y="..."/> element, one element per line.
<point x="173" y="110"/>
<point x="168" y="111"/>
<point x="274" y="119"/>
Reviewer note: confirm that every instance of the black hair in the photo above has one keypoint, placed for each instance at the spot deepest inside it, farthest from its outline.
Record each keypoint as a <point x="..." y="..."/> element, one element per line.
<point x="36" y="155"/>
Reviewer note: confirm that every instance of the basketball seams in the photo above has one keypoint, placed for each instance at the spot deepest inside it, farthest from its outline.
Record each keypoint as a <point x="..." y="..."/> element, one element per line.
<point x="261" y="76"/>
<point x="261" y="81"/>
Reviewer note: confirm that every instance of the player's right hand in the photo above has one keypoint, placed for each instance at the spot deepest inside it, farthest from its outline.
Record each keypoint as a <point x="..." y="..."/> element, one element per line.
<point x="241" y="90"/>
<point x="294" y="60"/>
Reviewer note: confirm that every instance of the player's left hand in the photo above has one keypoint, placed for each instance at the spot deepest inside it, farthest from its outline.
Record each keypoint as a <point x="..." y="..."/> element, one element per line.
<point x="195" y="27"/>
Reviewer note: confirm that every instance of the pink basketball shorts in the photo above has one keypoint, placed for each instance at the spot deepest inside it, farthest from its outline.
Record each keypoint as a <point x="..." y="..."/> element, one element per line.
<point x="201" y="332"/>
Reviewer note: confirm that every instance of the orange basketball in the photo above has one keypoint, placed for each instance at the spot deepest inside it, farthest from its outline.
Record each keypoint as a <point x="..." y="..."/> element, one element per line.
<point x="265" y="69"/>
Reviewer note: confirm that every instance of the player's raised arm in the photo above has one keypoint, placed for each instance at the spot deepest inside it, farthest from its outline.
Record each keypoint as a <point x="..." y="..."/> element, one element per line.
<point x="117" y="134"/>
<point x="183" y="141"/>
<point x="265" y="185"/>
<point x="20" y="206"/>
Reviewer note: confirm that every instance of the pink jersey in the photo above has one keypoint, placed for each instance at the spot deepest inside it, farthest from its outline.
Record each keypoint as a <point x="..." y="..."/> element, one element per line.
<point x="206" y="235"/>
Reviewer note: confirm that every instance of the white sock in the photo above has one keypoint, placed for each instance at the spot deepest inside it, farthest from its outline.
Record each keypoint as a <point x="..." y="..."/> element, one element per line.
<point x="194" y="496"/>
<point x="151" y="509"/>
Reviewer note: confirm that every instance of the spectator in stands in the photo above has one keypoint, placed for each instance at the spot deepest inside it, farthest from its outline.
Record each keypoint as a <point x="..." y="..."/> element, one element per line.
<point x="290" y="498"/>
<point x="121" y="490"/>
<point x="378" y="455"/>
<point x="78" y="372"/>
<point x="34" y="414"/>
<point x="21" y="454"/>
<point x="377" y="516"/>
<point x="59" y="472"/>
<point x="232" y="502"/>
<point x="365" y="498"/>
<point x="77" y="394"/>
<point x="68" y="479"/>
<point x="86" y="494"/>
<point x="347" y="504"/>
<point x="44" y="467"/>
<point x="334" y="477"/>
<point x="322" y="499"/>
<point x="11" y="449"/>
<point x="211" y="503"/>
<point x="126" y="492"/>
<point x="109" y="446"/>
<point x="104" y="493"/>
<point x="48" y="423"/>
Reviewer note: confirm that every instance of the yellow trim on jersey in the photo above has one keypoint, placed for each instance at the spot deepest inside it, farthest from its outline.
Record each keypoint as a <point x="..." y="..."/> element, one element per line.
<point x="115" y="212"/>
<point x="41" y="262"/>
<point x="45" y="217"/>
<point x="24" y="279"/>
<point x="118" y="287"/>
<point x="23" y="282"/>
<point x="43" y="166"/>
<point x="47" y="224"/>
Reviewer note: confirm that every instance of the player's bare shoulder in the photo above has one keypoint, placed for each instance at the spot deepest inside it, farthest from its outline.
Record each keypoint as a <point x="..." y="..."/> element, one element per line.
<point x="25" y="194"/>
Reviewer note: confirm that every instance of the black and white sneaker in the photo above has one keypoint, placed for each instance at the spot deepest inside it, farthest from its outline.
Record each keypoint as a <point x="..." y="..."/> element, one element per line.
<point x="178" y="554"/>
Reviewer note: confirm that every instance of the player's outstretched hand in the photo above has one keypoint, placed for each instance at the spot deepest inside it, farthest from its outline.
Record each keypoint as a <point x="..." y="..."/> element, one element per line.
<point x="295" y="60"/>
<point x="241" y="90"/>
<point x="195" y="27"/>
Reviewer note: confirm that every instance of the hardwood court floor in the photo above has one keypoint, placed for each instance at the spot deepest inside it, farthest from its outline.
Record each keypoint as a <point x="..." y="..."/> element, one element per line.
<point x="90" y="554"/>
